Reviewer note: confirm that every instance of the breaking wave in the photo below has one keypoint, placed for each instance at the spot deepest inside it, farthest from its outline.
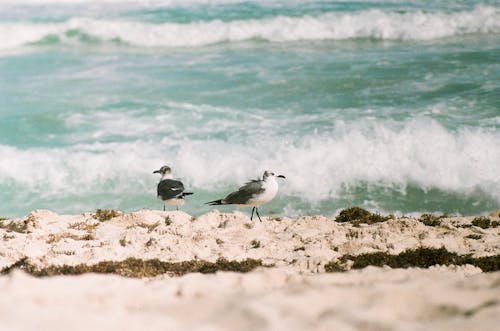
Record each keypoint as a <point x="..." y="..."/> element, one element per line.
<point x="373" y="24"/>
<point x="318" y="167"/>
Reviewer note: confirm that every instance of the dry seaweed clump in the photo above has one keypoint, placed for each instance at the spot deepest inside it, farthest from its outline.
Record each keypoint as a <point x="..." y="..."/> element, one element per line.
<point x="334" y="266"/>
<point x="105" y="214"/>
<point x="139" y="268"/>
<point x="255" y="243"/>
<point x="357" y="215"/>
<point x="16" y="226"/>
<point x="430" y="220"/>
<point x="421" y="257"/>
<point x="484" y="222"/>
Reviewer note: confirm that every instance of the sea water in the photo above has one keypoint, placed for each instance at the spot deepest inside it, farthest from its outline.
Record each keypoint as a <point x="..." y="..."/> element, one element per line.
<point x="393" y="106"/>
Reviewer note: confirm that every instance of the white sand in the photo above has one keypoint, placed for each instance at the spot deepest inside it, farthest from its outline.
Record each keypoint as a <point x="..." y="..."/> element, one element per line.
<point x="295" y="294"/>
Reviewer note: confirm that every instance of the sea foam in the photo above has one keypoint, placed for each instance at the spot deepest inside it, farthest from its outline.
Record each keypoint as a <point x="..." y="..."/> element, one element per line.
<point x="374" y="24"/>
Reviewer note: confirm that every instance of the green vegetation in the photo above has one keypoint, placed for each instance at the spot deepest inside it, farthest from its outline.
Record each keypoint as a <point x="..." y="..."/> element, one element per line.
<point x="139" y="268"/>
<point x="356" y="215"/>
<point x="420" y="257"/>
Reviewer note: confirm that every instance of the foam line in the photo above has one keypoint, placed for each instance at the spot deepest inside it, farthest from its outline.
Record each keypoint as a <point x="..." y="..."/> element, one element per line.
<point x="373" y="24"/>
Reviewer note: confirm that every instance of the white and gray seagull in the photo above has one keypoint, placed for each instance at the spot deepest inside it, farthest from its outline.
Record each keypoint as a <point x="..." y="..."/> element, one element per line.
<point x="254" y="193"/>
<point x="169" y="190"/>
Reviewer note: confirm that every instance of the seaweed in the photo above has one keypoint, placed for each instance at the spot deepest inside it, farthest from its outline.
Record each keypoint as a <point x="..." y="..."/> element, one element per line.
<point x="357" y="215"/>
<point x="255" y="243"/>
<point x="83" y="226"/>
<point x="122" y="242"/>
<point x="6" y="237"/>
<point x="421" y="257"/>
<point x="150" y="242"/>
<point x="484" y="222"/>
<point x="53" y="238"/>
<point x="149" y="227"/>
<point x="430" y="220"/>
<point x="133" y="267"/>
<point x="105" y="214"/>
<point x="465" y="226"/>
<point x="334" y="266"/>
<point x="474" y="236"/>
<point x="17" y="226"/>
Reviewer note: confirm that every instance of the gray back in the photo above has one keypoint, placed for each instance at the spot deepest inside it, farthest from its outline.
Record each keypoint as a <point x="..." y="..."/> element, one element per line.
<point x="245" y="193"/>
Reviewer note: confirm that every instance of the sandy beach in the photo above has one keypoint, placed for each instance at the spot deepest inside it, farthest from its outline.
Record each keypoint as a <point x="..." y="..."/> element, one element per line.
<point x="183" y="272"/>
<point x="361" y="132"/>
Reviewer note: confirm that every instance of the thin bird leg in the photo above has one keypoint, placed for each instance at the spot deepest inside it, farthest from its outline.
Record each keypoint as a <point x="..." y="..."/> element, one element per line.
<point x="251" y="217"/>
<point x="163" y="207"/>
<point x="176" y="207"/>
<point x="257" y="211"/>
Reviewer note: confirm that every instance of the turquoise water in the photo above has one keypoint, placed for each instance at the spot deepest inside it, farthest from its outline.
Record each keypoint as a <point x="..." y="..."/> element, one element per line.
<point x="390" y="105"/>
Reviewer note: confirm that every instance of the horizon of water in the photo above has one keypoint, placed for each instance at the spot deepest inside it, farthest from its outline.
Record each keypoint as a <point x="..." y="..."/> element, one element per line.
<point x="393" y="106"/>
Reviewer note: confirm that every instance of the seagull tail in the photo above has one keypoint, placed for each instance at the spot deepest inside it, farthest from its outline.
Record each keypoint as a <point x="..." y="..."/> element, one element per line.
<point x="214" y="203"/>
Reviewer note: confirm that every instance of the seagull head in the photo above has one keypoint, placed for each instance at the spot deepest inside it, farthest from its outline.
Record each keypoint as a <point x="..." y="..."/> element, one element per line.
<point x="164" y="171"/>
<point x="268" y="174"/>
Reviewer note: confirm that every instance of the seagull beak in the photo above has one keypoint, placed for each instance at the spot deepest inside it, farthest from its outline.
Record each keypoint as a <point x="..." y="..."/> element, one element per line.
<point x="156" y="171"/>
<point x="281" y="176"/>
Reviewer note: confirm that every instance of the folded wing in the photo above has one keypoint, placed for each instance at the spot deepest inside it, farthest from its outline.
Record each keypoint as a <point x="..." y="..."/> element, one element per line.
<point x="170" y="189"/>
<point x="245" y="193"/>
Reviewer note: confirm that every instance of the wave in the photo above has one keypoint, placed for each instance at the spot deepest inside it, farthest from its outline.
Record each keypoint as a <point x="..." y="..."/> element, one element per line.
<point x="422" y="153"/>
<point x="122" y="2"/>
<point x="373" y="24"/>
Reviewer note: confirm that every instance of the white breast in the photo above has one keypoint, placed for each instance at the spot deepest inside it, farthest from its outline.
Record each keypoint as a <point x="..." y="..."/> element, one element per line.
<point x="270" y="190"/>
<point x="172" y="202"/>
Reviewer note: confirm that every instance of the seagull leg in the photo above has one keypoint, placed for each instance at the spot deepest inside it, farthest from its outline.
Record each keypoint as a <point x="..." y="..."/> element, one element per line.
<point x="251" y="217"/>
<point x="176" y="207"/>
<point x="163" y="207"/>
<point x="257" y="211"/>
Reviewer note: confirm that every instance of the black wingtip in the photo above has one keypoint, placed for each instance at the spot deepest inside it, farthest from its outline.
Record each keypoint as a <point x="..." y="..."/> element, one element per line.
<point x="187" y="193"/>
<point x="214" y="203"/>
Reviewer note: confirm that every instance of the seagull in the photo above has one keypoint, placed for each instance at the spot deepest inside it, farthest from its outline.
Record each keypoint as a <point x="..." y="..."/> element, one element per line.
<point x="170" y="191"/>
<point x="254" y="193"/>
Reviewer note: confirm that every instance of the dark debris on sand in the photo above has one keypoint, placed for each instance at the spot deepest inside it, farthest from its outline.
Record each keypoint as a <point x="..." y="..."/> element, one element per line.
<point x="484" y="222"/>
<point x="20" y="226"/>
<point x="357" y="215"/>
<point x="105" y="214"/>
<point x="420" y="257"/>
<point x="138" y="268"/>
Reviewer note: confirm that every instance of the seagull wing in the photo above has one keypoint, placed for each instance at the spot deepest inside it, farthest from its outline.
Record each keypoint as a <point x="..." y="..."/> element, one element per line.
<point x="170" y="188"/>
<point x="245" y="193"/>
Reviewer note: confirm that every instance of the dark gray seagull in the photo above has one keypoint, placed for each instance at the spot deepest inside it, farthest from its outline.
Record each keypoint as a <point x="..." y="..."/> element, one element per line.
<point x="169" y="190"/>
<point x="254" y="193"/>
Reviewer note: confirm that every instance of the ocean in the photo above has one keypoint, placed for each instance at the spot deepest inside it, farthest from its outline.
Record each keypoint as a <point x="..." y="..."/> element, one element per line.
<point x="393" y="106"/>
